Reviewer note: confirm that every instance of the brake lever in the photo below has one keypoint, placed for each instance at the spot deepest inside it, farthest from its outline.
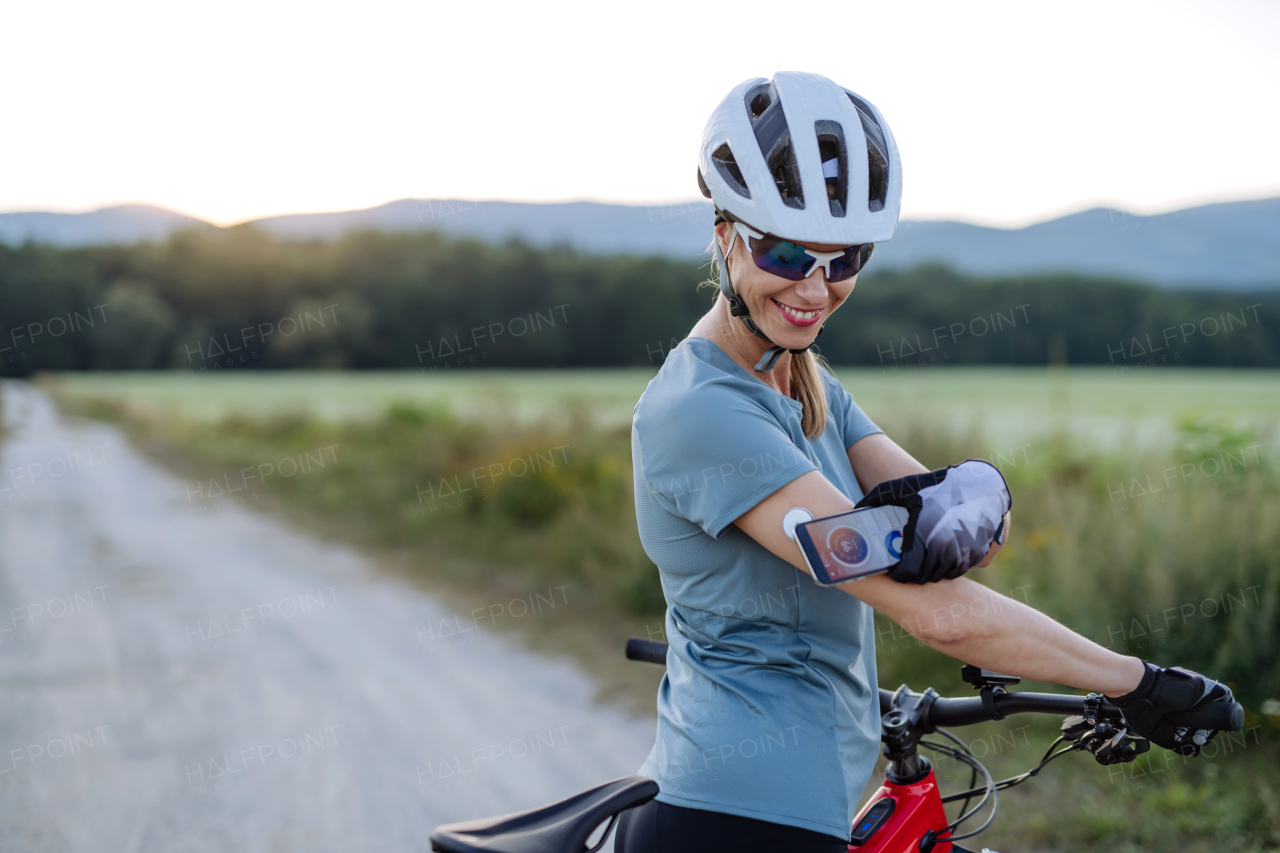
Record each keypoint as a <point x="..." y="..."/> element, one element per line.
<point x="1109" y="743"/>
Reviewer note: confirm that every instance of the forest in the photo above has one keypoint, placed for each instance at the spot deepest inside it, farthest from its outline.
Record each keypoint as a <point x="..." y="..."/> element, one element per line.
<point x="241" y="299"/>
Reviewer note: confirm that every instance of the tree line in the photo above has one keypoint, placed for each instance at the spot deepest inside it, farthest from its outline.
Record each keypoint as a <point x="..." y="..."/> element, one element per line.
<point x="238" y="298"/>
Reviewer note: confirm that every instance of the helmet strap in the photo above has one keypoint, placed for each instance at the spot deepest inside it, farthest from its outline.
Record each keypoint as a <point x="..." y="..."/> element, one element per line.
<point x="738" y="308"/>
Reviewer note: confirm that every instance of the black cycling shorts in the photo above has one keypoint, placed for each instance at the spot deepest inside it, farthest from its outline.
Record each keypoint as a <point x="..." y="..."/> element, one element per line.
<point x="661" y="828"/>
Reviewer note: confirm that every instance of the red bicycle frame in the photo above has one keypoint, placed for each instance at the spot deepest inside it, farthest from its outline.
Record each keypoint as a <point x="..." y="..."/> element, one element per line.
<point x="916" y="808"/>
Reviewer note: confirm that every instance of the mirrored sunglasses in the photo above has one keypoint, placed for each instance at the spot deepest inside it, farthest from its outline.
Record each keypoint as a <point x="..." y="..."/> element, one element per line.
<point x="795" y="263"/>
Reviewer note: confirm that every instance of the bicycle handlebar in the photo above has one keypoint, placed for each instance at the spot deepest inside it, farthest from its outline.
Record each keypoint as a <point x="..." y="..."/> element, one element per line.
<point x="971" y="709"/>
<point x="648" y="651"/>
<point x="1215" y="716"/>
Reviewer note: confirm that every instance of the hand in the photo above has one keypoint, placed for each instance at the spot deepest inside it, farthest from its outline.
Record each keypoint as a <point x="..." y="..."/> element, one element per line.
<point x="953" y="514"/>
<point x="1179" y="709"/>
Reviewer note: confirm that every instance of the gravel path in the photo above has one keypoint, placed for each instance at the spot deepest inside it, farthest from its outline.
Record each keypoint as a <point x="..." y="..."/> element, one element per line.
<point x="180" y="676"/>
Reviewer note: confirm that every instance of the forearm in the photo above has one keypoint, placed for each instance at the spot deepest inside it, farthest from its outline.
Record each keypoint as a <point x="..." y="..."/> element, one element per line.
<point x="876" y="458"/>
<point x="960" y="617"/>
<point x="966" y="620"/>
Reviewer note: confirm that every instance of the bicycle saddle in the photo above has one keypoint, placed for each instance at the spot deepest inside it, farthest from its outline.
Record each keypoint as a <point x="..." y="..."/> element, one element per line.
<point x="557" y="828"/>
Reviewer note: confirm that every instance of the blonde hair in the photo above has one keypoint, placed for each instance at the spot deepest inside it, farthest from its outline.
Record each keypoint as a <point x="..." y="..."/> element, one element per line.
<point x="807" y="385"/>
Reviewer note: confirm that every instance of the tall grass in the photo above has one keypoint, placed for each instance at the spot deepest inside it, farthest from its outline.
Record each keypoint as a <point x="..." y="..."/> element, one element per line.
<point x="1170" y="555"/>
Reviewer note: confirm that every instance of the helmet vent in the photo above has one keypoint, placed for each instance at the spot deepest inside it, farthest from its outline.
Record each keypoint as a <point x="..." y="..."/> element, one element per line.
<point x="727" y="166"/>
<point x="786" y="172"/>
<point x="877" y="177"/>
<point x="877" y="155"/>
<point x="833" y="152"/>
<point x="769" y="123"/>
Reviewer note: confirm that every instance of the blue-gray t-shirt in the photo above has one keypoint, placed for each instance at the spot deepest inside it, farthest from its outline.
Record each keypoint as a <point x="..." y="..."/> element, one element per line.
<point x="769" y="707"/>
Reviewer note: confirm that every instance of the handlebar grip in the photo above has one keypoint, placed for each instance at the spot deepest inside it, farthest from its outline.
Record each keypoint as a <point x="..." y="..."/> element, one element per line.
<point x="649" y="651"/>
<point x="1214" y="716"/>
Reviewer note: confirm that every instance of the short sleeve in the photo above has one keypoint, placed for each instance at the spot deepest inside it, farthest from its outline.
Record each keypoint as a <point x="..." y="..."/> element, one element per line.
<point x="855" y="424"/>
<point x="712" y="453"/>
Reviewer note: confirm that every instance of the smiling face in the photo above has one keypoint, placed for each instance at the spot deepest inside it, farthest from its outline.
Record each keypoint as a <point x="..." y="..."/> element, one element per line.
<point x="790" y="312"/>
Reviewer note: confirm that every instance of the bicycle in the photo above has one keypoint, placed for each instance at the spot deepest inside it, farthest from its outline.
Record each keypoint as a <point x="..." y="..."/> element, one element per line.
<point x="906" y="815"/>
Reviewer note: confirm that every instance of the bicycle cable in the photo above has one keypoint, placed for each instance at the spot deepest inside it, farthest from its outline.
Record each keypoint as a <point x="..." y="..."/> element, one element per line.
<point x="973" y="773"/>
<point x="992" y="793"/>
<point x="992" y="788"/>
<point x="1005" y="784"/>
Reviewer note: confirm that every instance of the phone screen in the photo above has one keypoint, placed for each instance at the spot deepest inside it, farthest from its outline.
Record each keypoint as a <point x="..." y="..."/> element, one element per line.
<point x="854" y="544"/>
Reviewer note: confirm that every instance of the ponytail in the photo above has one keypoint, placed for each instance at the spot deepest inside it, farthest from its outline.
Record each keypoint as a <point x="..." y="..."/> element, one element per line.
<point x="808" y="387"/>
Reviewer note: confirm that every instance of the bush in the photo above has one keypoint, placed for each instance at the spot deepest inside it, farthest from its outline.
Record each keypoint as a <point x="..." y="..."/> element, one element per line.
<point x="532" y="500"/>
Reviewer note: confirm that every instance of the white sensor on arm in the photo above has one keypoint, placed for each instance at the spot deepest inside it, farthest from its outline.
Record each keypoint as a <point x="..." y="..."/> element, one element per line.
<point x="795" y="515"/>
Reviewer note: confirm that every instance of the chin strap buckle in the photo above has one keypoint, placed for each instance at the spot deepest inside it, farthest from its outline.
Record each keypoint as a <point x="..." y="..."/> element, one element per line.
<point x="769" y="360"/>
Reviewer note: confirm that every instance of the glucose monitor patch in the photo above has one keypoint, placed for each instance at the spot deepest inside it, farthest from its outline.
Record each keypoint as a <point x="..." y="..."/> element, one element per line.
<point x="795" y="515"/>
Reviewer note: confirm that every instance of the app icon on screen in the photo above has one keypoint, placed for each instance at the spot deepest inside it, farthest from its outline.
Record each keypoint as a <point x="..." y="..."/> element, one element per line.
<point x="893" y="542"/>
<point x="848" y="546"/>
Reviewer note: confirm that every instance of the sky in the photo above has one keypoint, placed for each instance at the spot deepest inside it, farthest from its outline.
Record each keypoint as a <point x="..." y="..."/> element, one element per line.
<point x="1005" y="113"/>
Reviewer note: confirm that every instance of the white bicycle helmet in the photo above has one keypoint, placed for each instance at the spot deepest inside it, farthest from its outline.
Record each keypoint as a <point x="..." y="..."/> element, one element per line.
<point x="785" y="157"/>
<point x="761" y="164"/>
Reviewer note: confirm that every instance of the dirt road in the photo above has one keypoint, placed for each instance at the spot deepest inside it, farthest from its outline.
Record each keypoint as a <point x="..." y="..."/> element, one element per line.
<point x="176" y="677"/>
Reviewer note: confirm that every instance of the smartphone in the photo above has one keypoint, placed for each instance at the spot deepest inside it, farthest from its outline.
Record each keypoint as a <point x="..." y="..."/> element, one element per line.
<point x="852" y="545"/>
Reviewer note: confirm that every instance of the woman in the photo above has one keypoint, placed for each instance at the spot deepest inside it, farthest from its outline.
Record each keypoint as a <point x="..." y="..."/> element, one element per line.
<point x="768" y="723"/>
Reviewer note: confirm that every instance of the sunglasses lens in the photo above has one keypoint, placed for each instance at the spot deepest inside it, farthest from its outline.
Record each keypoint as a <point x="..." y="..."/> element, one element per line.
<point x="847" y="265"/>
<point x="781" y="258"/>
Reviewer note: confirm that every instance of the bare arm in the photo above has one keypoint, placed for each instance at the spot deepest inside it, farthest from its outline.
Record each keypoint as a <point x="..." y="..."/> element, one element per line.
<point x="961" y="618"/>
<point x="877" y="458"/>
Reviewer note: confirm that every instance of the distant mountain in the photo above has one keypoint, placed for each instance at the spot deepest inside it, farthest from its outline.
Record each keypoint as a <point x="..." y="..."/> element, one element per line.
<point x="130" y="223"/>
<point x="1232" y="245"/>
<point x="1228" y="246"/>
<point x="677" y="230"/>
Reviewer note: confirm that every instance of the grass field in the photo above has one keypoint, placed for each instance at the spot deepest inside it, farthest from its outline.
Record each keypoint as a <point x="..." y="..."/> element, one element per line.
<point x="1009" y="406"/>
<point x="1102" y="540"/>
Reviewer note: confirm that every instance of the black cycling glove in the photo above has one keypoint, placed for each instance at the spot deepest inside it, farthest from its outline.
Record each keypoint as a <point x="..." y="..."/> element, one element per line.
<point x="1179" y="709"/>
<point x="954" y="515"/>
